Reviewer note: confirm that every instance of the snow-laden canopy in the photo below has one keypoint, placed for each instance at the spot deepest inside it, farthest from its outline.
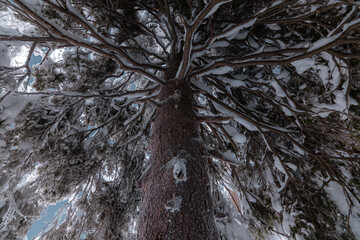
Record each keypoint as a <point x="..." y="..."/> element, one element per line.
<point x="276" y="89"/>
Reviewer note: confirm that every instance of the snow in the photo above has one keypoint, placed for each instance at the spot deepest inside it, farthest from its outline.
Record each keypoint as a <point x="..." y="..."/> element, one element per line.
<point x="242" y="35"/>
<point x="25" y="146"/>
<point x="129" y="120"/>
<point x="291" y="166"/>
<point x="236" y="136"/>
<point x="8" y="31"/>
<point x="221" y="70"/>
<point x="278" y="89"/>
<point x="284" y="74"/>
<point x="303" y="64"/>
<point x="238" y="80"/>
<point x="179" y="169"/>
<point x="340" y="100"/>
<point x="4" y="183"/>
<point x="342" y="21"/>
<point x="287" y="111"/>
<point x="237" y="118"/>
<point x="334" y="78"/>
<point x="324" y="73"/>
<point x="59" y="54"/>
<point x="346" y="173"/>
<point x="278" y="165"/>
<point x="253" y="43"/>
<point x="230" y="156"/>
<point x="214" y="9"/>
<point x="302" y="87"/>
<point x="276" y="202"/>
<point x="354" y="224"/>
<point x="174" y="204"/>
<point x="18" y="55"/>
<point x="352" y="101"/>
<point x="14" y="55"/>
<point x="340" y="104"/>
<point x="11" y="106"/>
<point x="233" y="32"/>
<point x="274" y="27"/>
<point x="323" y="42"/>
<point x="352" y="23"/>
<point x="233" y="229"/>
<point x="314" y="7"/>
<point x="142" y="15"/>
<point x="299" y="150"/>
<point x="336" y="194"/>
<point x="219" y="44"/>
<point x="4" y="54"/>
<point x="276" y="3"/>
<point x="10" y="25"/>
<point x="288" y="221"/>
<point x="246" y="124"/>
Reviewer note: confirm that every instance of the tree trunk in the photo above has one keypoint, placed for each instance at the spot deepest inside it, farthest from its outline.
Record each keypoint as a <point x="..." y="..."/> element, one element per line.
<point x="176" y="203"/>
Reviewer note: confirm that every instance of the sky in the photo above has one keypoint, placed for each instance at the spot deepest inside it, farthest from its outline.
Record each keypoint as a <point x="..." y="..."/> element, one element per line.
<point x="46" y="216"/>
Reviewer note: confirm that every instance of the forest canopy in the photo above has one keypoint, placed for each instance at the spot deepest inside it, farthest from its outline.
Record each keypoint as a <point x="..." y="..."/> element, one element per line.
<point x="268" y="91"/>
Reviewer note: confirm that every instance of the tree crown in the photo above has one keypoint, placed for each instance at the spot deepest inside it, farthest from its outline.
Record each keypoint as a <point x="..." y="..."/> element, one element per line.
<point x="276" y="91"/>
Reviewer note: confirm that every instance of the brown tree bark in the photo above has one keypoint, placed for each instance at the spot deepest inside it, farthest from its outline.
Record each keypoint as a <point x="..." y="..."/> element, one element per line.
<point x="176" y="203"/>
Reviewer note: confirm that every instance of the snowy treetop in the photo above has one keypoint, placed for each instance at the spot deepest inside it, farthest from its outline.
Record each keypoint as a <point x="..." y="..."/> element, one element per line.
<point x="276" y="89"/>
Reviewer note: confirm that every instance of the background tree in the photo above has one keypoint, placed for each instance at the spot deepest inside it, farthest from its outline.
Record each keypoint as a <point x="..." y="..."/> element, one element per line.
<point x="182" y="114"/>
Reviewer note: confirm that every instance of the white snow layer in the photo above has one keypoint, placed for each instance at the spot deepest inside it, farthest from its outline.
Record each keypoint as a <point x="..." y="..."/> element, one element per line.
<point x="4" y="183"/>
<point x="237" y="118"/>
<point x="11" y="106"/>
<point x="221" y="70"/>
<point x="323" y="42"/>
<point x="233" y="33"/>
<point x="233" y="229"/>
<point x="214" y="9"/>
<point x="303" y="64"/>
<point x="174" y="204"/>
<point x="279" y="165"/>
<point x="336" y="193"/>
<point x="235" y="135"/>
<point x="279" y="90"/>
<point x="13" y="55"/>
<point x="238" y="81"/>
<point x="179" y="170"/>
<point x="274" y="27"/>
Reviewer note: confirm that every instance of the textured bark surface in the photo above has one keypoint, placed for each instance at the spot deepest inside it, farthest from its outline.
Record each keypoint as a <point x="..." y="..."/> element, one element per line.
<point x="176" y="204"/>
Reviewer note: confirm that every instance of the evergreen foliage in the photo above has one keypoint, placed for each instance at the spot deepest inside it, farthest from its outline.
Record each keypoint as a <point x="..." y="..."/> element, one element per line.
<point x="276" y="88"/>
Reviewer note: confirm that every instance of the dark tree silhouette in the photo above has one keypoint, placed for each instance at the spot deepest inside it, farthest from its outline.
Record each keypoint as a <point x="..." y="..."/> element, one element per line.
<point x="169" y="119"/>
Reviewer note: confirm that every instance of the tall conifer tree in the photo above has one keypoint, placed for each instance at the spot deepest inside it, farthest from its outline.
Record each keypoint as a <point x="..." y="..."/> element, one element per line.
<point x="169" y="119"/>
